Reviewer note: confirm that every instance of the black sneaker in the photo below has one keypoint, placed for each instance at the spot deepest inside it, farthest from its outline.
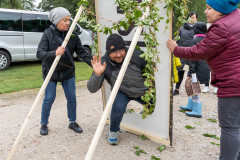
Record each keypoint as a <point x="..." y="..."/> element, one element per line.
<point x="74" y="126"/>
<point x="175" y="92"/>
<point x="44" y="129"/>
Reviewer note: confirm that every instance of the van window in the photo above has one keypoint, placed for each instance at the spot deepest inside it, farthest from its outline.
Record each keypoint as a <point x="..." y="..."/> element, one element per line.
<point x="76" y="29"/>
<point x="10" y="21"/>
<point x="35" y="22"/>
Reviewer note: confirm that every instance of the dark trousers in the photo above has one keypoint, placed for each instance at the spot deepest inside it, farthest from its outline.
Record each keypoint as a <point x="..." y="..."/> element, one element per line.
<point x="180" y="77"/>
<point x="229" y="121"/>
<point x="119" y="108"/>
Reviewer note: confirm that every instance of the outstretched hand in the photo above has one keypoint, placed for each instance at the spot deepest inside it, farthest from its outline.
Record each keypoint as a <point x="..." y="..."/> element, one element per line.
<point x="171" y="44"/>
<point x="98" y="68"/>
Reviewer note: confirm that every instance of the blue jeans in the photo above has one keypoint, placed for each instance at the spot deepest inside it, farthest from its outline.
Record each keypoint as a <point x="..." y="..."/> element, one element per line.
<point x="49" y="97"/>
<point x="229" y="121"/>
<point x="118" y="109"/>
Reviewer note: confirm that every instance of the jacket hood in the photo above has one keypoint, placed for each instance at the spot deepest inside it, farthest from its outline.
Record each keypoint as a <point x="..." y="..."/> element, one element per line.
<point x="200" y="28"/>
<point x="188" y="26"/>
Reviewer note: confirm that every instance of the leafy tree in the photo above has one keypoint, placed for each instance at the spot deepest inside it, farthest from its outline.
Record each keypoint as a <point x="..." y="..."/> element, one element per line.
<point x="47" y="5"/>
<point x="28" y="4"/>
<point x="11" y="4"/>
<point x="17" y="4"/>
<point x="199" y="7"/>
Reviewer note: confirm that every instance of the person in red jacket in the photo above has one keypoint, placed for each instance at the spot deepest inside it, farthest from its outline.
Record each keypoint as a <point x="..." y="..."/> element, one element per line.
<point x="221" y="50"/>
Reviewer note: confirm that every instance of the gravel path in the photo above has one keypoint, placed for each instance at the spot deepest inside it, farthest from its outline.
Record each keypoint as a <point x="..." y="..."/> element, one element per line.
<point x="63" y="144"/>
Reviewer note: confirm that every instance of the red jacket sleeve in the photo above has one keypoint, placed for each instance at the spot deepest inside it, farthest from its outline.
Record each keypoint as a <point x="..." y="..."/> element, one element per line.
<point x="214" y="43"/>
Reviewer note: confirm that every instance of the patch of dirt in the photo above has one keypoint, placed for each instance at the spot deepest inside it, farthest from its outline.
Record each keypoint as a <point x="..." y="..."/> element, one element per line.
<point x="64" y="144"/>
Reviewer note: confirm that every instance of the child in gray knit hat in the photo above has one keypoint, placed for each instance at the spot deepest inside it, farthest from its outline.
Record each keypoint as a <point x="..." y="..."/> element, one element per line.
<point x="57" y="14"/>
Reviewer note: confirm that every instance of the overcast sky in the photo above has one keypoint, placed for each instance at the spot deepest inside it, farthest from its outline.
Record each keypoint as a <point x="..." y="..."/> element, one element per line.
<point x="37" y="2"/>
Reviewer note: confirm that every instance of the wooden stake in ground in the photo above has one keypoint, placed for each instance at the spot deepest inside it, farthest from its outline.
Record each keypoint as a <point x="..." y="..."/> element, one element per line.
<point x="44" y="84"/>
<point x="115" y="90"/>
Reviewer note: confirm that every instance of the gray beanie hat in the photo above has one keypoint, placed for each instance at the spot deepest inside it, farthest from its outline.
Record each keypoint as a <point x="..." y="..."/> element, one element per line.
<point x="57" y="14"/>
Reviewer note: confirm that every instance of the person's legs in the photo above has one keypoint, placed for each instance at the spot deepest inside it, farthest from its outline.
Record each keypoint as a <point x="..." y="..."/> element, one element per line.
<point x="229" y="137"/>
<point x="196" y="107"/>
<point x="180" y="77"/>
<point x="206" y="88"/>
<point x="207" y="83"/>
<point x="229" y="121"/>
<point x="189" y="106"/>
<point x="49" y="97"/>
<point x="204" y="72"/>
<point x="178" y="84"/>
<point x="118" y="109"/>
<point x="70" y="93"/>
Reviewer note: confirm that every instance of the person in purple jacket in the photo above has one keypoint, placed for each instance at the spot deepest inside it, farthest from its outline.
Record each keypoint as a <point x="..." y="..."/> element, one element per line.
<point x="221" y="50"/>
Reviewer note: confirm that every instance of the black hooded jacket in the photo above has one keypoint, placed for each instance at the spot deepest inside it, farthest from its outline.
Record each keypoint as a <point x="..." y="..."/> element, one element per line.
<point x="46" y="52"/>
<point x="133" y="81"/>
<point x="186" y="34"/>
<point x="200" y="28"/>
<point x="201" y="68"/>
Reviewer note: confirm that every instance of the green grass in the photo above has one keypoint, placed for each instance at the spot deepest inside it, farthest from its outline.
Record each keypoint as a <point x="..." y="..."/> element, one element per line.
<point x="28" y="75"/>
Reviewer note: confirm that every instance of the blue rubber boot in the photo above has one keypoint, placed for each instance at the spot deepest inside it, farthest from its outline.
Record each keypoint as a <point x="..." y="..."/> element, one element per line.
<point x="189" y="105"/>
<point x="197" y="110"/>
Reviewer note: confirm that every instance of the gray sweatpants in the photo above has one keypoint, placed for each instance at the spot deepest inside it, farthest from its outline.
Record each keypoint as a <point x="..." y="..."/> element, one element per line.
<point x="229" y="121"/>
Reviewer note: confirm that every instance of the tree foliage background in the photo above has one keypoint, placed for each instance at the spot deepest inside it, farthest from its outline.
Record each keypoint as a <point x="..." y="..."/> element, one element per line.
<point x="44" y="5"/>
<point x="199" y="7"/>
<point x="71" y="5"/>
<point x="17" y="4"/>
<point x="47" y="5"/>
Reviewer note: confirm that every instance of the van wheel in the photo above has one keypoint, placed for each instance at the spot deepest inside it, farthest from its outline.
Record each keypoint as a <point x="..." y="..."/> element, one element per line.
<point x="4" y="60"/>
<point x="79" y="59"/>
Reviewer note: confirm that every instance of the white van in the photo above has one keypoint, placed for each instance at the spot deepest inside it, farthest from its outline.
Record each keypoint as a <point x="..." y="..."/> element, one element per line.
<point x="21" y="32"/>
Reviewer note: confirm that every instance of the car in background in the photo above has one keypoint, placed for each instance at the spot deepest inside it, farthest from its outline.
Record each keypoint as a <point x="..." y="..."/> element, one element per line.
<point x="21" y="32"/>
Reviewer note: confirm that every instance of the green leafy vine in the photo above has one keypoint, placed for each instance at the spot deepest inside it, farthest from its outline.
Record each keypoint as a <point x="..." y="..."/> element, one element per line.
<point x="132" y="14"/>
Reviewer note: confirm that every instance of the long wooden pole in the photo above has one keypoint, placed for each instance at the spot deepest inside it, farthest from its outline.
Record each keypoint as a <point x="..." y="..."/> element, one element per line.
<point x="115" y="90"/>
<point x="44" y="84"/>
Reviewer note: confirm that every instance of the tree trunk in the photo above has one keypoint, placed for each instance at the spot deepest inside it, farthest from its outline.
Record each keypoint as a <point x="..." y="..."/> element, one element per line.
<point x="11" y="4"/>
